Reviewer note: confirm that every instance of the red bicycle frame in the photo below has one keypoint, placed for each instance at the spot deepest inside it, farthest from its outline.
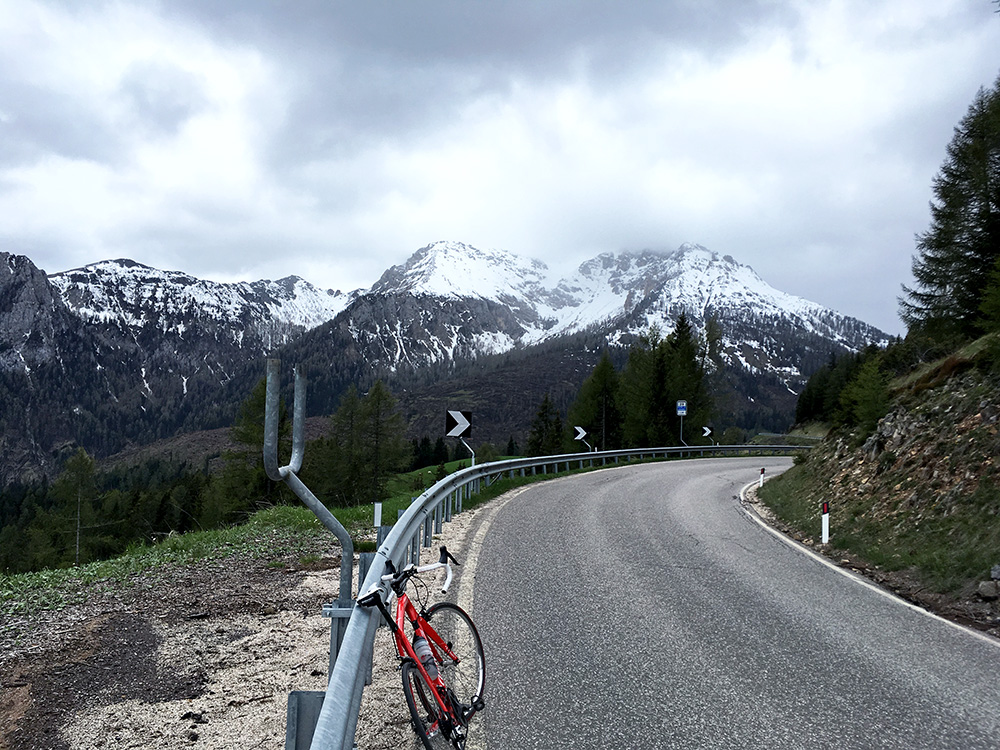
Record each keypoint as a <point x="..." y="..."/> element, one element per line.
<point x="404" y="647"/>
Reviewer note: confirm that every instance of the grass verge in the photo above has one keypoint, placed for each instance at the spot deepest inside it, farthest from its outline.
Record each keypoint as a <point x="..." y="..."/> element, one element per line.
<point x="280" y="535"/>
<point x="949" y="549"/>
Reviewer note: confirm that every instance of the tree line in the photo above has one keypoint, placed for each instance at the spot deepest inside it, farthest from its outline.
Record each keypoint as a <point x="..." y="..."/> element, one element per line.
<point x="86" y="514"/>
<point x="636" y="407"/>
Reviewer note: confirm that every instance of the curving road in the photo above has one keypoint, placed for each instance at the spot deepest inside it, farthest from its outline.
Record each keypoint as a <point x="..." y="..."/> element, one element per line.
<point x="641" y="607"/>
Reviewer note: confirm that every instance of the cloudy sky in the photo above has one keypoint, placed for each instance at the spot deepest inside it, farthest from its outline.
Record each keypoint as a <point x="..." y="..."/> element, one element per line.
<point x="331" y="139"/>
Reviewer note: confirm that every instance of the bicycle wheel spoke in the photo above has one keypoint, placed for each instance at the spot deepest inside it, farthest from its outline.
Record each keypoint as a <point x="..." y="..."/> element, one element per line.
<point x="466" y="676"/>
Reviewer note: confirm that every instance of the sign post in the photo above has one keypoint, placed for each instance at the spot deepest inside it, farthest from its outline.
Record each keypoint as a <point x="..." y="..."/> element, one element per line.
<point x="458" y="424"/>
<point x="682" y="410"/>
<point x="826" y="523"/>
<point x="580" y="435"/>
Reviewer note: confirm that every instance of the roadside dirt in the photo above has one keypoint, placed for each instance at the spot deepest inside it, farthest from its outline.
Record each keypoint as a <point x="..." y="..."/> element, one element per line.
<point x="200" y="643"/>
<point x="196" y="656"/>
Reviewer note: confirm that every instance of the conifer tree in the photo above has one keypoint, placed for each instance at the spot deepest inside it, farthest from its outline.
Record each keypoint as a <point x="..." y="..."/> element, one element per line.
<point x="686" y="380"/>
<point x="659" y="373"/>
<point x="384" y="448"/>
<point x="637" y="383"/>
<point x="990" y="306"/>
<point x="957" y="253"/>
<point x="243" y="485"/>
<point x="865" y="400"/>
<point x="596" y="406"/>
<point x="545" y="437"/>
<point x="365" y="446"/>
<point x="60" y="535"/>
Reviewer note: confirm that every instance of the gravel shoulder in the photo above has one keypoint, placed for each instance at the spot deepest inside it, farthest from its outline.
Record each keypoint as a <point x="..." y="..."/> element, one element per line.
<point x="195" y="656"/>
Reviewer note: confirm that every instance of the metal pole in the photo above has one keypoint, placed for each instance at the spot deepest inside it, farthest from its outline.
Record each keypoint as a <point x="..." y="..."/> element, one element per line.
<point x="287" y="474"/>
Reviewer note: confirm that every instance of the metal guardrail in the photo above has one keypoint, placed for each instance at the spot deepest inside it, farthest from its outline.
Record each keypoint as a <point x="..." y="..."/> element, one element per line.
<point x="337" y="723"/>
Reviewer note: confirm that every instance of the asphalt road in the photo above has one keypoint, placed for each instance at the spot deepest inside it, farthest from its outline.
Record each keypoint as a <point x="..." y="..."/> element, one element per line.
<point x="640" y="607"/>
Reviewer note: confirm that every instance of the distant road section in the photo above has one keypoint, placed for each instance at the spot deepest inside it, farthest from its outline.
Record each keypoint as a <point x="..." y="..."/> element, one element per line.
<point x="640" y="608"/>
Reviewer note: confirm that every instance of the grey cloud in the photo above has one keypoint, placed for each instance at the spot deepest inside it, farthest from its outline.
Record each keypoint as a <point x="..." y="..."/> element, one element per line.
<point x="524" y="34"/>
<point x="364" y="72"/>
<point x="162" y="97"/>
<point x="38" y="121"/>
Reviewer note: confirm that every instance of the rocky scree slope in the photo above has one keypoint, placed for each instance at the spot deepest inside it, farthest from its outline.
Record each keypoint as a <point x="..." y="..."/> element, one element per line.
<point x="922" y="493"/>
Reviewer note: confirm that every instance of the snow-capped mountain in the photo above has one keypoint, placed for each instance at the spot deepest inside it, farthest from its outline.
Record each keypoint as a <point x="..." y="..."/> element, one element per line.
<point x="517" y="303"/>
<point x="134" y="297"/>
<point x="117" y="353"/>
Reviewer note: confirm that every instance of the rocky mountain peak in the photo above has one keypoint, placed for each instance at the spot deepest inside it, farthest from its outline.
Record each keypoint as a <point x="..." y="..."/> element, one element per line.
<point x="454" y="270"/>
<point x="173" y="352"/>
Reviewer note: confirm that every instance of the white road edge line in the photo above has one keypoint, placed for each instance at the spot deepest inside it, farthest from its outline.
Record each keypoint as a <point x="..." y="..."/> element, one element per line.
<point x="853" y="576"/>
<point x="466" y="594"/>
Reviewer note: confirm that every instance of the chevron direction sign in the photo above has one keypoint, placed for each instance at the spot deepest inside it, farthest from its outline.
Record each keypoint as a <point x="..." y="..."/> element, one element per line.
<point x="457" y="423"/>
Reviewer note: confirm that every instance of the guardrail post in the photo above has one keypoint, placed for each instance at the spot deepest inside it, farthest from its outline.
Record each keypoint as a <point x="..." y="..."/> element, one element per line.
<point x="428" y="530"/>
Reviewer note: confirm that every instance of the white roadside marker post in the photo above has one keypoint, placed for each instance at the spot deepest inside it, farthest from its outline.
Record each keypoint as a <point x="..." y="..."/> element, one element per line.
<point x="826" y="523"/>
<point x="761" y="478"/>
<point x="378" y="514"/>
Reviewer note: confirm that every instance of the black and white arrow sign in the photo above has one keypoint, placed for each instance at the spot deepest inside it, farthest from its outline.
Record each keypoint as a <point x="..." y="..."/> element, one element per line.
<point x="580" y="433"/>
<point x="457" y="423"/>
<point x="707" y="431"/>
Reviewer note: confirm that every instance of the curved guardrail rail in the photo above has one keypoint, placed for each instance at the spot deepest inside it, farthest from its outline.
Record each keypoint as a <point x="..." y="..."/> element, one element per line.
<point x="337" y="723"/>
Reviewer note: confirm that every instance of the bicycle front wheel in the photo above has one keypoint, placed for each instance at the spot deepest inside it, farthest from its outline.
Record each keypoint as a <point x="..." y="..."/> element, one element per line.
<point x="425" y="713"/>
<point x="466" y="676"/>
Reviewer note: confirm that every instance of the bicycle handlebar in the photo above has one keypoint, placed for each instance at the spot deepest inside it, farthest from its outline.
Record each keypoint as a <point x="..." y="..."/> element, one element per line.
<point x="395" y="578"/>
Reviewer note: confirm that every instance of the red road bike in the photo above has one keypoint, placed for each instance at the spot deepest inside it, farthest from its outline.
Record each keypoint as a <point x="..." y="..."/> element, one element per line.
<point x="442" y="662"/>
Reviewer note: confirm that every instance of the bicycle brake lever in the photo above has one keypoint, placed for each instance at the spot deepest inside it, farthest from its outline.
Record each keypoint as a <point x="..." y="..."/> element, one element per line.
<point x="372" y="597"/>
<point x="446" y="556"/>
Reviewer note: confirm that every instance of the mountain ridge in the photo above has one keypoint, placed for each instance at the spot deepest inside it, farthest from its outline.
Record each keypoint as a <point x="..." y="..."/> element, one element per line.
<point x="156" y="353"/>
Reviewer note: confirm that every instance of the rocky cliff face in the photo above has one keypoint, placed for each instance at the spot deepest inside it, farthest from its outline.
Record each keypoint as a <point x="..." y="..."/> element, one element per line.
<point x="930" y="454"/>
<point x="54" y="373"/>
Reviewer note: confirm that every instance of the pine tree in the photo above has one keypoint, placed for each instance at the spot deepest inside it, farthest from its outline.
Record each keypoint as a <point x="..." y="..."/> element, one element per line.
<point x="659" y="373"/>
<point x="365" y="446"/>
<point x="596" y="406"/>
<point x="384" y="445"/>
<point x="545" y="437"/>
<point x="243" y="485"/>
<point x="686" y="380"/>
<point x="865" y="400"/>
<point x="637" y="385"/>
<point x="512" y="448"/>
<point x="959" y="250"/>
<point x="990" y="306"/>
<point x="60" y="535"/>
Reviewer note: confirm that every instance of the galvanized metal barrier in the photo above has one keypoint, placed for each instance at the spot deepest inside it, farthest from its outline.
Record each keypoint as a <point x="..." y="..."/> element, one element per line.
<point x="336" y="725"/>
